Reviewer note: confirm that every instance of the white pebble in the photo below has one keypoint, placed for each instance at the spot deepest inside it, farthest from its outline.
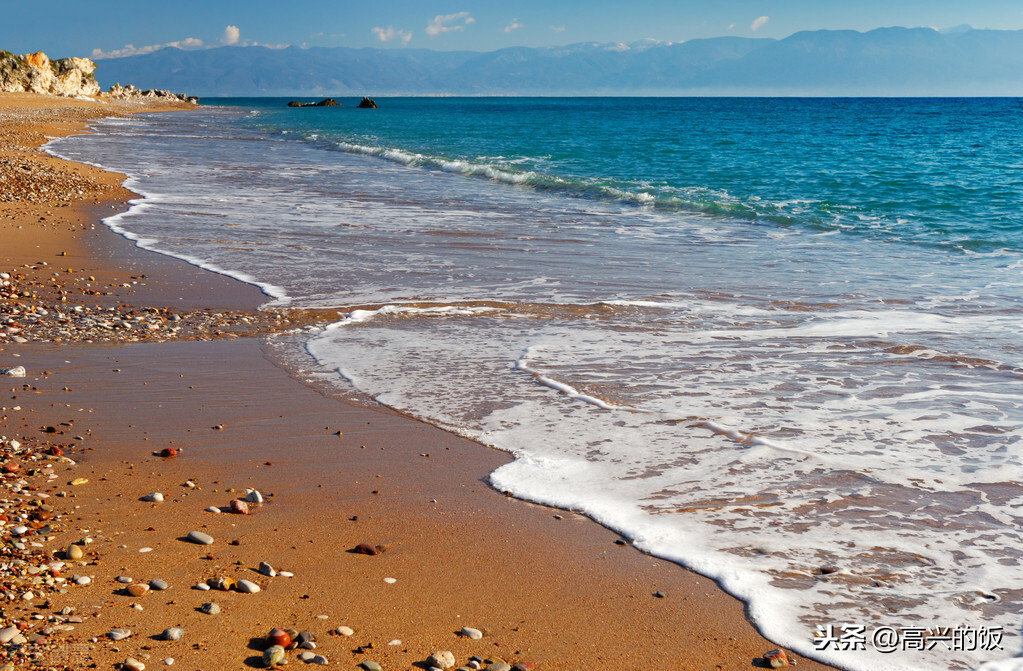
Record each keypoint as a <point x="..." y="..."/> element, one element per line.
<point x="394" y="642"/>
<point x="247" y="587"/>
<point x="390" y="581"/>
<point x="153" y="497"/>
<point x="345" y="631"/>
<point x="213" y="509"/>
<point x="169" y="661"/>
<point x="285" y="574"/>
<point x="202" y="587"/>
<point x="145" y="549"/>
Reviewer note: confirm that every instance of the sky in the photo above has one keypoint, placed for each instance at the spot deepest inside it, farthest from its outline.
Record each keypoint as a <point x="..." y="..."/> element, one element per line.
<point x="108" y="28"/>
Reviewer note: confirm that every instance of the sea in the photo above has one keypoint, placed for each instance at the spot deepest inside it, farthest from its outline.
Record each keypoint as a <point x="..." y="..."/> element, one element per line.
<point x="774" y="340"/>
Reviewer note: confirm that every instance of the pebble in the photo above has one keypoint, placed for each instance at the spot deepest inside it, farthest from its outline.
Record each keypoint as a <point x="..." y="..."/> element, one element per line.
<point x="777" y="659"/>
<point x="168" y="661"/>
<point x="83" y="580"/>
<point x="394" y="642"/>
<point x="390" y="581"/>
<point x="145" y="549"/>
<point x="202" y="587"/>
<point x="442" y="659"/>
<point x="253" y="496"/>
<point x="123" y="579"/>
<point x="153" y="497"/>
<point x="306" y="656"/>
<point x="74" y="552"/>
<point x="7" y="634"/>
<point x="266" y="569"/>
<point x="273" y="656"/>
<point x="278" y="636"/>
<point x="370" y="665"/>
<point x="209" y="608"/>
<point x="158" y="584"/>
<point x="366" y="549"/>
<point x="199" y="538"/>
<point x="118" y="634"/>
<point x="319" y="659"/>
<point x="246" y="587"/>
<point x="138" y="589"/>
<point x="213" y="509"/>
<point x="285" y="574"/>
<point x="345" y="631"/>
<point x="173" y="633"/>
<point x="499" y="666"/>
<point x="133" y="665"/>
<point x="474" y="634"/>
<point x="239" y="507"/>
<point x="16" y="371"/>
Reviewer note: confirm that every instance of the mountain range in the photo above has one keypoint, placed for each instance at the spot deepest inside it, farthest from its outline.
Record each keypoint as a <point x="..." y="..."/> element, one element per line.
<point x="882" y="62"/>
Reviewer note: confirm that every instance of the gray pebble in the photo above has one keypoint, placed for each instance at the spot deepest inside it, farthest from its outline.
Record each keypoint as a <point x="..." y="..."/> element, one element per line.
<point x="158" y="584"/>
<point x="123" y="579"/>
<point x="474" y="634"/>
<point x="210" y="608"/>
<point x="118" y="634"/>
<point x="442" y="659"/>
<point x="173" y="633"/>
<point x="370" y="665"/>
<point x="199" y="537"/>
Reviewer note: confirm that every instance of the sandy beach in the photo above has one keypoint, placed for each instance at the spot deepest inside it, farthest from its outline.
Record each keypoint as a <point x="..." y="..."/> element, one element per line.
<point x="128" y="354"/>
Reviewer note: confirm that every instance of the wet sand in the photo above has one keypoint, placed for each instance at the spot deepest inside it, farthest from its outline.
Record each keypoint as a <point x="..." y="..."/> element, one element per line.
<point x="546" y="587"/>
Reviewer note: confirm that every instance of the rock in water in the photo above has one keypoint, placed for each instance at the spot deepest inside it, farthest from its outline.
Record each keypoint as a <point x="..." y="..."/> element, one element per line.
<point x="367" y="103"/>
<point x="17" y="371"/>
<point x="442" y="659"/>
<point x="199" y="538"/>
<point x="273" y="656"/>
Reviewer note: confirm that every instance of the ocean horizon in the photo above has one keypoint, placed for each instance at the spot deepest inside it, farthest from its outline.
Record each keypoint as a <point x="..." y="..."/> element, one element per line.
<point x="774" y="340"/>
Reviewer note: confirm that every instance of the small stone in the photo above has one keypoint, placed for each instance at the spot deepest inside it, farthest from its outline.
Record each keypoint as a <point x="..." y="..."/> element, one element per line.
<point x="222" y="584"/>
<point x="79" y="481"/>
<point x="212" y="509"/>
<point x="74" y="552"/>
<point x="777" y="658"/>
<point x="202" y="587"/>
<point x="658" y="594"/>
<point x="199" y="538"/>
<point x="153" y="497"/>
<point x="474" y="634"/>
<point x="304" y="637"/>
<point x="366" y="549"/>
<point x="173" y="634"/>
<point x="239" y="507"/>
<point x="370" y="665"/>
<point x="123" y="579"/>
<point x="118" y="634"/>
<point x="7" y="634"/>
<point x="285" y="574"/>
<point x="319" y="659"/>
<point x="306" y="656"/>
<point x="137" y="590"/>
<point x="19" y="530"/>
<point x="345" y="631"/>
<point x="246" y="587"/>
<point x="133" y="665"/>
<point x="253" y="496"/>
<point x="273" y="656"/>
<point x="499" y="666"/>
<point x="390" y="581"/>
<point x="209" y="608"/>
<point x="442" y="659"/>
<point x="396" y="641"/>
<point x="168" y="661"/>
<point x="278" y="637"/>
<point x="522" y="666"/>
<point x="158" y="584"/>
<point x="168" y="452"/>
<point x="266" y="569"/>
<point x="16" y="371"/>
<point x="83" y="580"/>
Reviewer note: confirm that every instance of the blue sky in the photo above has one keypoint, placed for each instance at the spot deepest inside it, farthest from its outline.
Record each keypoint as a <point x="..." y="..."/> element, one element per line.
<point x="119" y="27"/>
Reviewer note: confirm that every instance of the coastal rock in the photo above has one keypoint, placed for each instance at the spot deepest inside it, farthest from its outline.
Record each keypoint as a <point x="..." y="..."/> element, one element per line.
<point x="129" y="92"/>
<point x="16" y="371"/>
<point x="326" y="102"/>
<point x="199" y="538"/>
<point x="442" y="659"/>
<point x="36" y="73"/>
<point x="367" y="103"/>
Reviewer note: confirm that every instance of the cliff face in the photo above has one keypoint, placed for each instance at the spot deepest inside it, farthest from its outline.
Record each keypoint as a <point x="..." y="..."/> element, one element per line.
<point x="36" y="73"/>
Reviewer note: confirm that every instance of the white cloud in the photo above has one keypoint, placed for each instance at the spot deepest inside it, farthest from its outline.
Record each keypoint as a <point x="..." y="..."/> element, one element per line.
<point x="132" y="50"/>
<point x="758" y="22"/>
<point x="440" y="23"/>
<point x="231" y="35"/>
<point x="514" y="25"/>
<point x="387" y="34"/>
<point x="731" y="26"/>
<point x="621" y="46"/>
<point x="558" y="29"/>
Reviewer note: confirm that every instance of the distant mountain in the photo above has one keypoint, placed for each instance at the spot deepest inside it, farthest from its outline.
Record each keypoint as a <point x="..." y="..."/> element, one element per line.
<point x="883" y="62"/>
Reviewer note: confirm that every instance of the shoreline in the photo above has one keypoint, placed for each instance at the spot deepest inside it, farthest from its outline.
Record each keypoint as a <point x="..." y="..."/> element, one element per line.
<point x="546" y="587"/>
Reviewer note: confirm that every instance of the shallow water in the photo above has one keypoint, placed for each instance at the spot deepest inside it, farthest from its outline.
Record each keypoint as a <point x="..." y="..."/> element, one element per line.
<point x="775" y="341"/>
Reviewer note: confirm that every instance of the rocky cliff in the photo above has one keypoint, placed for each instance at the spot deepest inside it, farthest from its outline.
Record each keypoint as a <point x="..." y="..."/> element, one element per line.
<point x="38" y="74"/>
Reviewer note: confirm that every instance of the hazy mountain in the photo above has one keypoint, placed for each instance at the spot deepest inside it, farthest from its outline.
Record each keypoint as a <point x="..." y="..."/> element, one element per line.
<point x="888" y="61"/>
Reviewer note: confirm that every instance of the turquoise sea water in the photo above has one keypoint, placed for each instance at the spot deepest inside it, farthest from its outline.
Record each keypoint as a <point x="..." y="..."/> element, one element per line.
<point x="774" y="340"/>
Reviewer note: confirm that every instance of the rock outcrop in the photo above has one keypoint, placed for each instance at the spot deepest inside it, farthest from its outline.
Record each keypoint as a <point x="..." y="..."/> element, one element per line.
<point x="367" y="103"/>
<point x="129" y="92"/>
<point x="36" y="73"/>
<point x="326" y="102"/>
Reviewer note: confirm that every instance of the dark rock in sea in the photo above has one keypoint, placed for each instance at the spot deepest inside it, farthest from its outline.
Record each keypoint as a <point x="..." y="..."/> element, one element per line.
<point x="326" y="102"/>
<point x="366" y="103"/>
